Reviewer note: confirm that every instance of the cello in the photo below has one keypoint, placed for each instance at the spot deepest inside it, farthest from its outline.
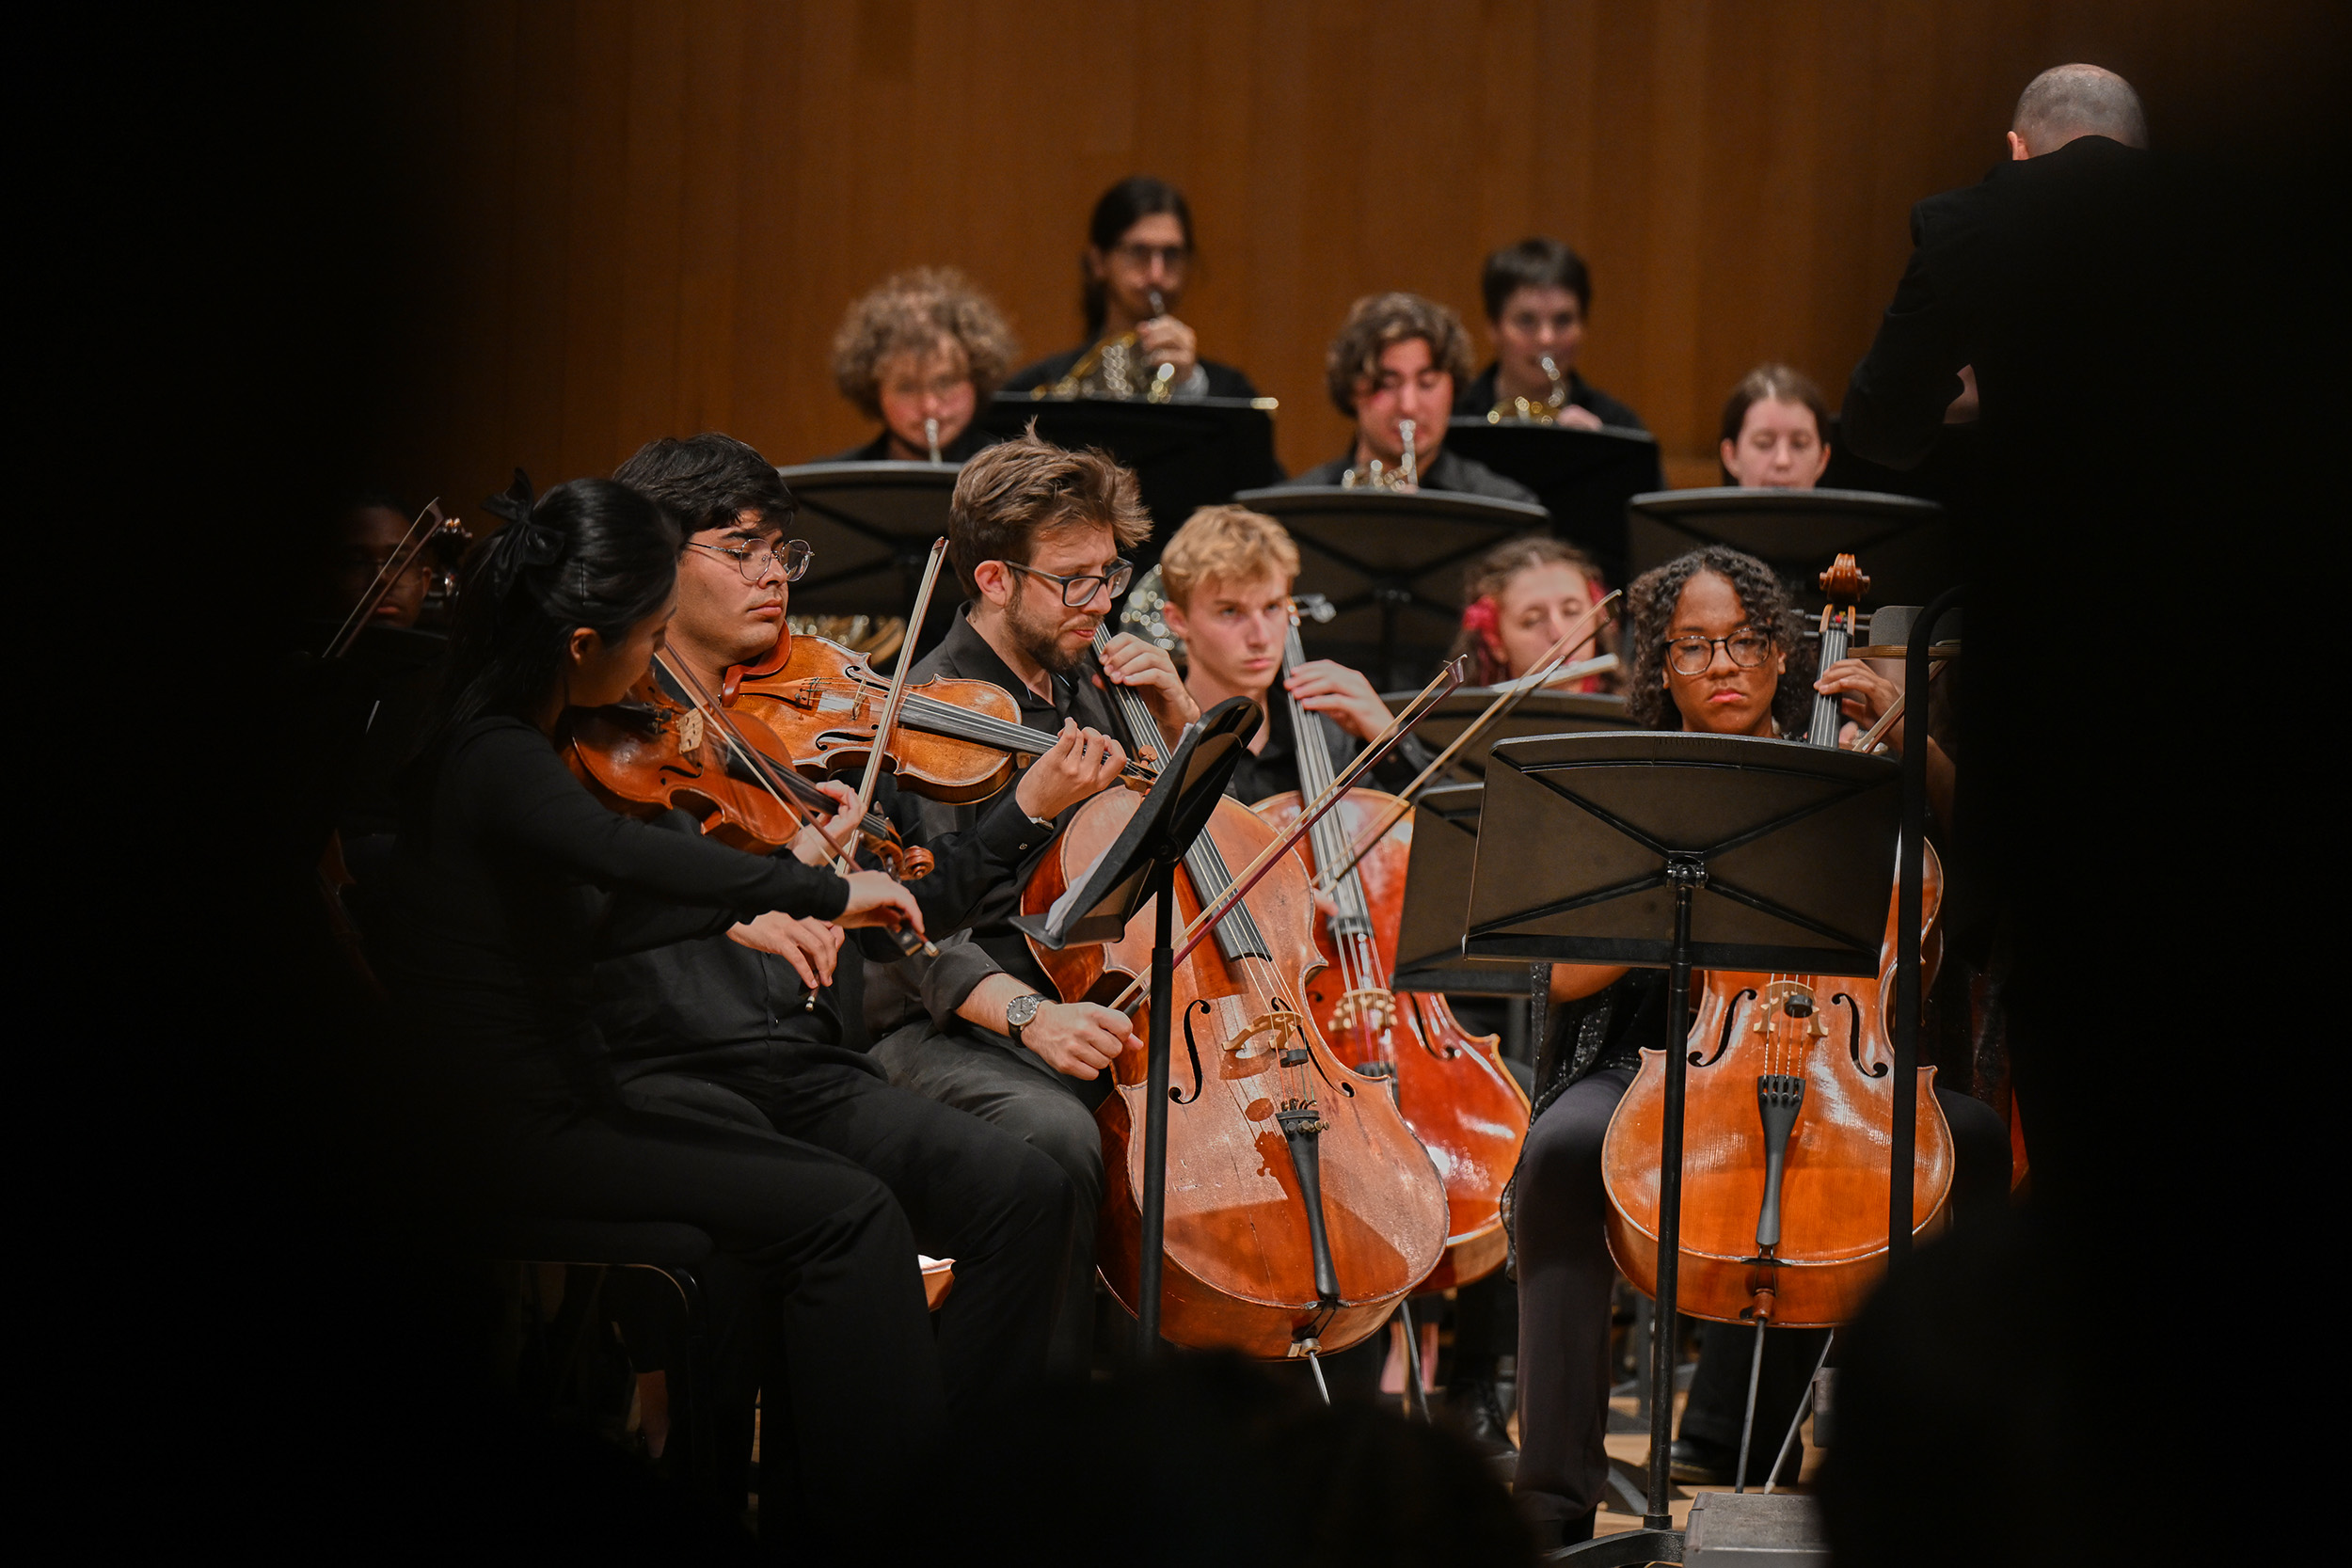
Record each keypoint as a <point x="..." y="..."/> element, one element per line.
<point x="1788" y="1121"/>
<point x="1450" y="1085"/>
<point x="1299" y="1205"/>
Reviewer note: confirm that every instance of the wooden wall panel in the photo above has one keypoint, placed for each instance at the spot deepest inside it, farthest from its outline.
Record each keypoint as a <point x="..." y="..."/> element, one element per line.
<point x="635" y="219"/>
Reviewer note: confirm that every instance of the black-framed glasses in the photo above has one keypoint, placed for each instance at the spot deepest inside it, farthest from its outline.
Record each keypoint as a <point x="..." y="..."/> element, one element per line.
<point x="1691" y="655"/>
<point x="755" y="560"/>
<point x="1078" y="593"/>
<point x="1139" y="256"/>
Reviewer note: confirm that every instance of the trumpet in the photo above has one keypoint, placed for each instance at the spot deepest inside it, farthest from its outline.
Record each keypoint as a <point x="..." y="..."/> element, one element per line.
<point x="1404" y="476"/>
<point x="1546" y="412"/>
<point x="1113" y="368"/>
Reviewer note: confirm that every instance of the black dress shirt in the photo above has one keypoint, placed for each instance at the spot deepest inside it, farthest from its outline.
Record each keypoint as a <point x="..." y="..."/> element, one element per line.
<point x="1275" y="769"/>
<point x="939" y="986"/>
<point x="1448" y="470"/>
<point x="968" y="443"/>
<point x="1478" y="400"/>
<point x="1223" y="381"/>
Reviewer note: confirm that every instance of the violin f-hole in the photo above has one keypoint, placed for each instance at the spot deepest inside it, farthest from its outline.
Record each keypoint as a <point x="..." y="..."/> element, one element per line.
<point x="1723" y="1041"/>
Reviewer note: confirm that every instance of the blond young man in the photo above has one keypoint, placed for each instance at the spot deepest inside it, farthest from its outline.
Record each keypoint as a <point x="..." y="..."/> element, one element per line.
<point x="1226" y="575"/>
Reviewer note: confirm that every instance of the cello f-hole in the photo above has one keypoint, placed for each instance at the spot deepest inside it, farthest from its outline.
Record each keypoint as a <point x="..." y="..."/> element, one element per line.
<point x="1853" y="1039"/>
<point x="1192" y="1049"/>
<point x="1723" y="1041"/>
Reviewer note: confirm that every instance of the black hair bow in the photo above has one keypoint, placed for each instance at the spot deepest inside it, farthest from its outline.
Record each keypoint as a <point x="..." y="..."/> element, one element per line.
<point x="524" y="542"/>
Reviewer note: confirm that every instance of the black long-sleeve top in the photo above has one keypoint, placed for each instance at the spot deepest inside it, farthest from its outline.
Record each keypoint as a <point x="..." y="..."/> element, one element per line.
<point x="512" y="878"/>
<point x="716" y="1008"/>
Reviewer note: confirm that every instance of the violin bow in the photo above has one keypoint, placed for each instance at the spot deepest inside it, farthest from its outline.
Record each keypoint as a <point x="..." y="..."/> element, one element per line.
<point x="404" y="556"/>
<point x="1441" y="684"/>
<point x="889" y="720"/>
<point x="1547" y="670"/>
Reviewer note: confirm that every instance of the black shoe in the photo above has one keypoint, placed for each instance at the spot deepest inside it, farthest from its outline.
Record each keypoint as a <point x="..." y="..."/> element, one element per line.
<point x="1552" y="1534"/>
<point x="1696" y="1461"/>
<point x="1478" y="1415"/>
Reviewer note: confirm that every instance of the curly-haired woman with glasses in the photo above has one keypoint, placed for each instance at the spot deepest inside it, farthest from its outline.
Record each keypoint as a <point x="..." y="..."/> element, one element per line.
<point x="1714" y="650"/>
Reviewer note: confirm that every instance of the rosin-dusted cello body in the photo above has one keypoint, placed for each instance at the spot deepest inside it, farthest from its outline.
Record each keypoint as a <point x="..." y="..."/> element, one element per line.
<point x="1832" y="1206"/>
<point x="1239" y="1260"/>
<point x="1451" y="1085"/>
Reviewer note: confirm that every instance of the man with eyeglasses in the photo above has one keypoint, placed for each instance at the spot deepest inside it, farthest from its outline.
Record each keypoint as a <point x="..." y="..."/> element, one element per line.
<point x="1135" y="271"/>
<point x="1036" y="535"/>
<point x="761" y="1028"/>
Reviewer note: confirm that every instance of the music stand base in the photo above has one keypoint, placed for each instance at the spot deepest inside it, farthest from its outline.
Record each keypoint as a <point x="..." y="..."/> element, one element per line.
<point x="1625" y="1549"/>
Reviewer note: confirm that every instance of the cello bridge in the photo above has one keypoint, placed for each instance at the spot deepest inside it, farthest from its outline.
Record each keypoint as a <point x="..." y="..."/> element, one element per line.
<point x="1373" y="1011"/>
<point x="1794" y="1000"/>
<point x="1247" y="1037"/>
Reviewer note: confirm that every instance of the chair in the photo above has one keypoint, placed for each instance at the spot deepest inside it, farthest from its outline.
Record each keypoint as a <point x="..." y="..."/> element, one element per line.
<point x="677" y="1253"/>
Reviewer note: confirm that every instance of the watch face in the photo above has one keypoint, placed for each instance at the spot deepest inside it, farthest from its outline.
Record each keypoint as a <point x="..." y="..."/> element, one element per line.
<point x="1021" y="1010"/>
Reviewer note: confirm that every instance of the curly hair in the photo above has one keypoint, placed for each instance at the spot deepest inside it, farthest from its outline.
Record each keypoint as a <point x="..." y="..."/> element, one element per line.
<point x="909" y="312"/>
<point x="1376" y="321"/>
<point x="1653" y="597"/>
<point x="1484" y="583"/>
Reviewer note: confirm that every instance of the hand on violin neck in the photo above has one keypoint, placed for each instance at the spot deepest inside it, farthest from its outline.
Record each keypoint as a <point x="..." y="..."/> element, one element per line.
<point x="811" y="946"/>
<point x="1082" y="764"/>
<point x="1131" y="662"/>
<point x="1324" y="687"/>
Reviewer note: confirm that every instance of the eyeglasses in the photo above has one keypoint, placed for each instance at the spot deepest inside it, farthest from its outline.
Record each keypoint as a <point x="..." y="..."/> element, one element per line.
<point x="1078" y="593"/>
<point x="1139" y="256"/>
<point x="1692" y="656"/>
<point x="790" y="557"/>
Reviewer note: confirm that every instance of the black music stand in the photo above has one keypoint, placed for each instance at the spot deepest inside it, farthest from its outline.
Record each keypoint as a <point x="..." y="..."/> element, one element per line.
<point x="1583" y="477"/>
<point x="865" y="520"/>
<point x="1904" y="542"/>
<point x="1537" y="713"/>
<point x="1186" y="455"/>
<point x="1675" y="850"/>
<point x="1380" y="556"/>
<point x="1437" y="901"/>
<point x="1141" y="864"/>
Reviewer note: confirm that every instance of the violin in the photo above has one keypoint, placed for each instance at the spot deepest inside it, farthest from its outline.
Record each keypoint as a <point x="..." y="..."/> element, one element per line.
<point x="1299" y="1205"/>
<point x="654" y="753"/>
<point x="956" y="740"/>
<point x="1450" y="1085"/>
<point x="1787" y="1119"/>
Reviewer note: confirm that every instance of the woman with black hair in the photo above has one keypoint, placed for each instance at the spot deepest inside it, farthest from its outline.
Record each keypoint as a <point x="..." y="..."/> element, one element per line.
<point x="507" y="880"/>
<point x="1133" y="276"/>
<point x="1714" y="650"/>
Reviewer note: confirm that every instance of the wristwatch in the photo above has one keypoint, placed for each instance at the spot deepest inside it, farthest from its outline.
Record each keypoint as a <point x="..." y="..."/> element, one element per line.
<point x="1020" y="1013"/>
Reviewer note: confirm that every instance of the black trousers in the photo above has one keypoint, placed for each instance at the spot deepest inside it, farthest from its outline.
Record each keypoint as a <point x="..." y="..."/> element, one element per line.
<point x="1013" y="1090"/>
<point x="839" y="1325"/>
<point x="970" y="1191"/>
<point x="1565" y="1278"/>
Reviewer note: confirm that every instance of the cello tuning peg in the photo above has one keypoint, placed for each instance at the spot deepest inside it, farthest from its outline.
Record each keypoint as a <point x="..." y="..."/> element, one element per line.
<point x="1314" y="606"/>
